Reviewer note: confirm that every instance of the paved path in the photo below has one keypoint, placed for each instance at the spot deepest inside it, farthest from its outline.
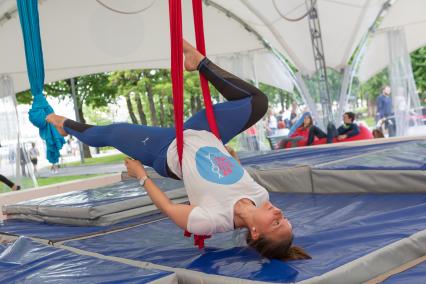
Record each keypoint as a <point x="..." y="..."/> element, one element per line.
<point x="84" y="170"/>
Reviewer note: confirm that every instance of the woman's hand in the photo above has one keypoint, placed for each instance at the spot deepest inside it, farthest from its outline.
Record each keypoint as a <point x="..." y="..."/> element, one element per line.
<point x="134" y="168"/>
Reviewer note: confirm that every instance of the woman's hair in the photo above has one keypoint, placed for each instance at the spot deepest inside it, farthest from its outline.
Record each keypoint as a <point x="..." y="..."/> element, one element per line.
<point x="282" y="250"/>
<point x="311" y="122"/>
<point x="377" y="133"/>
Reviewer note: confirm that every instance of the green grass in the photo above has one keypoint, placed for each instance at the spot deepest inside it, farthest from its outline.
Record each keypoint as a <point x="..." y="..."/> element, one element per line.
<point x="370" y="122"/>
<point x="26" y="183"/>
<point x="113" y="159"/>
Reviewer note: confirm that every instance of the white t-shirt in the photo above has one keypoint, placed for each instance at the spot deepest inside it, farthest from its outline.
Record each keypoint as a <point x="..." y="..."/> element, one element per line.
<point x="214" y="182"/>
<point x="272" y="123"/>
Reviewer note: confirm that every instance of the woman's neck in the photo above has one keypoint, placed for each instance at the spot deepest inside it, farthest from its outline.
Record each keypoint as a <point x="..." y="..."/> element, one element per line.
<point x="243" y="213"/>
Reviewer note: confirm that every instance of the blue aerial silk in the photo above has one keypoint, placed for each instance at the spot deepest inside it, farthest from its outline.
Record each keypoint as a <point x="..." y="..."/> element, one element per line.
<point x="28" y="15"/>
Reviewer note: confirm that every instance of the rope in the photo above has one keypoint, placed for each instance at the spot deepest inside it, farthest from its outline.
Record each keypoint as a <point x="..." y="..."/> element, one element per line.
<point x="294" y="19"/>
<point x="125" y="12"/>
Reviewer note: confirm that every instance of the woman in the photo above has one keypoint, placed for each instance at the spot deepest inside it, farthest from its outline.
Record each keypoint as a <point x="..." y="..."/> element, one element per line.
<point x="302" y="132"/>
<point x="9" y="183"/>
<point x="223" y="196"/>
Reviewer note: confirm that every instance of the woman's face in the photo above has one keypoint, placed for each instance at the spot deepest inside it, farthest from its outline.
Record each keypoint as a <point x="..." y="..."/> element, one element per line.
<point x="307" y="121"/>
<point x="270" y="222"/>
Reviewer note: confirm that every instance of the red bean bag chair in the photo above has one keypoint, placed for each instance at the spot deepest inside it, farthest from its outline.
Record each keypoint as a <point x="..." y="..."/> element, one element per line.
<point x="299" y="132"/>
<point x="364" y="134"/>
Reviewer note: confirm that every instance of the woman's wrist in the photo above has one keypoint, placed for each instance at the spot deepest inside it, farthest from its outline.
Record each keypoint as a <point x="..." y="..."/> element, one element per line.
<point x="141" y="174"/>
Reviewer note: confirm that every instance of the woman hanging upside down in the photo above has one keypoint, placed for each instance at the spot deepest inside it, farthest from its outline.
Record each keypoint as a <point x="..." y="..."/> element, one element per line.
<point x="222" y="194"/>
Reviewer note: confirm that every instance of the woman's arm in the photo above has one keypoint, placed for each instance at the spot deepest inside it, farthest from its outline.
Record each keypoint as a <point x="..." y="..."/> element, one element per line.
<point x="179" y="213"/>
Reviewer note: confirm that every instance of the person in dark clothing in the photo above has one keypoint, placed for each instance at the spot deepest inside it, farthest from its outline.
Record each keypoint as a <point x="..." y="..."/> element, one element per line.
<point x="9" y="183"/>
<point x="384" y="111"/>
<point x="384" y="103"/>
<point x="346" y="130"/>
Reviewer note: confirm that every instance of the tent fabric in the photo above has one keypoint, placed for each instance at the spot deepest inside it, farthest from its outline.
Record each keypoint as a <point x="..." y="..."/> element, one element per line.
<point x="105" y="48"/>
<point x="26" y="261"/>
<point x="353" y="225"/>
<point x="406" y="15"/>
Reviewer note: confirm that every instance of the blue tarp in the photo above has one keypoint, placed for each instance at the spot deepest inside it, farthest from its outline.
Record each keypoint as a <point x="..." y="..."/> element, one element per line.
<point x="26" y="261"/>
<point x="404" y="155"/>
<point x="417" y="274"/>
<point x="334" y="229"/>
<point x="117" y="192"/>
<point x="57" y="232"/>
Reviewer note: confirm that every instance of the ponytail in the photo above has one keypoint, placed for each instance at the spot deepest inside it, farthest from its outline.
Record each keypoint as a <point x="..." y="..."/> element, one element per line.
<point x="296" y="253"/>
<point x="282" y="250"/>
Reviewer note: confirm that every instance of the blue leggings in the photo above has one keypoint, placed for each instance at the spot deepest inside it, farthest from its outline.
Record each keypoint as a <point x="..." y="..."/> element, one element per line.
<point x="149" y="144"/>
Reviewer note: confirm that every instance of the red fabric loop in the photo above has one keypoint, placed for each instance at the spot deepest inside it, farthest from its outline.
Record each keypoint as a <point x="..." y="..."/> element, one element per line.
<point x="197" y="9"/>
<point x="198" y="239"/>
<point x="175" y="13"/>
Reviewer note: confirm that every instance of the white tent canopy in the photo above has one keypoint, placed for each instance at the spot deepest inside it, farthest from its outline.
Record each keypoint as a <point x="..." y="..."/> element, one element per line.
<point x="408" y="15"/>
<point x="83" y="37"/>
<point x="343" y="23"/>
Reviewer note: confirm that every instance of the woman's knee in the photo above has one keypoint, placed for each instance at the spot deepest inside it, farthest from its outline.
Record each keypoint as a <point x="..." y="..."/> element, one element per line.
<point x="259" y="104"/>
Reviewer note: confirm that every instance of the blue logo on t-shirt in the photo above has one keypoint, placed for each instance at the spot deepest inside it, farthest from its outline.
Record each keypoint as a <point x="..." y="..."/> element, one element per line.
<point x="215" y="166"/>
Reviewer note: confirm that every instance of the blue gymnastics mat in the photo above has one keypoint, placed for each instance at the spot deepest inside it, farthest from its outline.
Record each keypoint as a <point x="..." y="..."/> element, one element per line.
<point x="335" y="229"/>
<point x="26" y="261"/>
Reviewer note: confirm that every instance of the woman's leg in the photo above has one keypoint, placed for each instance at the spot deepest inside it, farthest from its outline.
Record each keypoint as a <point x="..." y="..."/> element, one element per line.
<point x="6" y="181"/>
<point x="146" y="144"/>
<point x="315" y="131"/>
<point x="245" y="106"/>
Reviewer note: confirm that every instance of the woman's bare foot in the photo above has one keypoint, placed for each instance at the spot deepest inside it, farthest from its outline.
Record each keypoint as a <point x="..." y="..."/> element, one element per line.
<point x="58" y="122"/>
<point x="192" y="56"/>
<point x="16" y="187"/>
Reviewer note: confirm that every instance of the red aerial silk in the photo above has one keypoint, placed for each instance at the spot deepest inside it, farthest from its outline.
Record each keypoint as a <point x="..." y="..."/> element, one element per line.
<point x="197" y="9"/>
<point x="175" y="12"/>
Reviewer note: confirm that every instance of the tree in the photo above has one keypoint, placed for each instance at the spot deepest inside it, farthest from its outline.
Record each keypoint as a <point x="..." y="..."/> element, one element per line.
<point x="418" y="61"/>
<point x="127" y="85"/>
<point x="91" y="90"/>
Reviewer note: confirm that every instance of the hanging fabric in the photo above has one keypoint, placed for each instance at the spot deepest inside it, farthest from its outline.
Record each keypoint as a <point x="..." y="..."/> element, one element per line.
<point x="197" y="9"/>
<point x="175" y="13"/>
<point x="28" y="15"/>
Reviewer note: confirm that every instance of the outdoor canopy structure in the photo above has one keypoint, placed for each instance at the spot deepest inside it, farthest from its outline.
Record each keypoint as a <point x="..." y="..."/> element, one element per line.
<point x="94" y="42"/>
<point x="334" y="195"/>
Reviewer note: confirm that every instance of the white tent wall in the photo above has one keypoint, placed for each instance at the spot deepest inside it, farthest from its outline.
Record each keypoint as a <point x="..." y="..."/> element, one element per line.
<point x="14" y="158"/>
<point x="9" y="139"/>
<point x="405" y="100"/>
<point x="403" y="14"/>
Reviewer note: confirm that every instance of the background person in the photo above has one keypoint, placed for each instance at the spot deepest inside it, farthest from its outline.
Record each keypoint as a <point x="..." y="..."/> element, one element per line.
<point x="346" y="130"/>
<point x="34" y="153"/>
